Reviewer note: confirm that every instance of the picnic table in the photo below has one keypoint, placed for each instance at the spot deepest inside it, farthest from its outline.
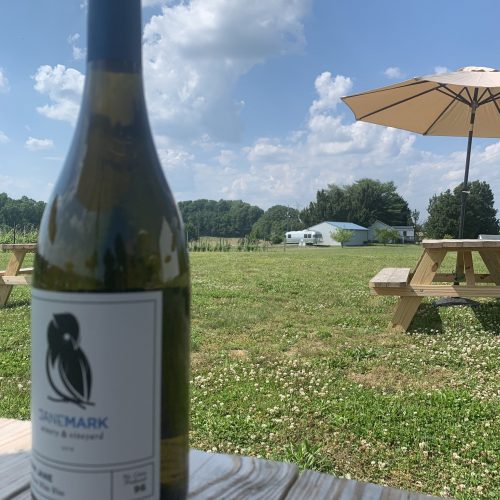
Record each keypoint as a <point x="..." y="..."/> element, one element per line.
<point x="15" y="274"/>
<point x="211" y="476"/>
<point x="427" y="280"/>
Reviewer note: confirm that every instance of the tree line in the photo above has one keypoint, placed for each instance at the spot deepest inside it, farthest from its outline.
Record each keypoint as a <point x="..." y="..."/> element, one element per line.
<point x="362" y="202"/>
<point x="23" y="212"/>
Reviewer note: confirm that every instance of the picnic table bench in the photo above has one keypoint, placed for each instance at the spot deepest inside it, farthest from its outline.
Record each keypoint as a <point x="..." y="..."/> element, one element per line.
<point x="426" y="281"/>
<point x="15" y="274"/>
<point x="211" y="476"/>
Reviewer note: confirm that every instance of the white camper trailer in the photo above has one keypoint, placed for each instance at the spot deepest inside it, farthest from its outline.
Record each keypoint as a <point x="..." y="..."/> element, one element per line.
<point x="304" y="237"/>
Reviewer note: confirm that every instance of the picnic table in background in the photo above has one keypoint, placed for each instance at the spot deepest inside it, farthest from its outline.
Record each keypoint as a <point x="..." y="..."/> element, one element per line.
<point x="211" y="475"/>
<point x="15" y="274"/>
<point x="426" y="280"/>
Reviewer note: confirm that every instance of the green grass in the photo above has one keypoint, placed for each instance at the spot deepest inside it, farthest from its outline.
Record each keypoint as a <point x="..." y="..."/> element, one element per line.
<point x="292" y="360"/>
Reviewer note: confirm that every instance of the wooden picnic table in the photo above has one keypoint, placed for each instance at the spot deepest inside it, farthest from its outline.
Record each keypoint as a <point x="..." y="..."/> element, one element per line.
<point x="211" y="476"/>
<point x="427" y="280"/>
<point x="15" y="274"/>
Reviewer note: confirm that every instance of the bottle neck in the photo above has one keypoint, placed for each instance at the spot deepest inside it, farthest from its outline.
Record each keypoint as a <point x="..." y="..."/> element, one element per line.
<point x="114" y="34"/>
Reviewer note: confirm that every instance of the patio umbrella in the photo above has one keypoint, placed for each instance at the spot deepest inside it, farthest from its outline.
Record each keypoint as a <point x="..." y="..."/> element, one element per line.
<point x="464" y="103"/>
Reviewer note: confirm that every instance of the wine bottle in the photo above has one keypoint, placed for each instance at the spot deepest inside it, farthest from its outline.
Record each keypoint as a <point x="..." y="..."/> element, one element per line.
<point x="111" y="295"/>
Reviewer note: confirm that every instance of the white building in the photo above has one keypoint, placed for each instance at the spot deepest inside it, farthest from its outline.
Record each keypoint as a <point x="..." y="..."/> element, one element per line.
<point x="406" y="233"/>
<point x="359" y="237"/>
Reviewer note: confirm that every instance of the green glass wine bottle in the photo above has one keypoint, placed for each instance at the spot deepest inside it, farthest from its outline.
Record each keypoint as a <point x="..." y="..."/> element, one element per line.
<point x="111" y="295"/>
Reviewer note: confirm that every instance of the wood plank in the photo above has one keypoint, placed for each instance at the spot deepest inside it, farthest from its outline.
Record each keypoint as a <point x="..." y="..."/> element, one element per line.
<point x="29" y="247"/>
<point x="14" y="475"/>
<point x="492" y="261"/>
<point x="469" y="269"/>
<point x="450" y="277"/>
<point x="424" y="273"/>
<point x="23" y="270"/>
<point x="214" y="476"/>
<point x="211" y="476"/>
<point x="316" y="486"/>
<point x="15" y="280"/>
<point x="15" y="435"/>
<point x="459" y="267"/>
<point x="440" y="291"/>
<point x="391" y="276"/>
<point x="460" y="244"/>
<point x="13" y="266"/>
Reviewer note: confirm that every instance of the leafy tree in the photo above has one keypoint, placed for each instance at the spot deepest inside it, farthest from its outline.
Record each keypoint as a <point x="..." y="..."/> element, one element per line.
<point x="275" y="222"/>
<point x="223" y="218"/>
<point x="342" y="235"/>
<point x="363" y="202"/>
<point x="21" y="212"/>
<point x="331" y="204"/>
<point x="480" y="214"/>
<point x="385" y="235"/>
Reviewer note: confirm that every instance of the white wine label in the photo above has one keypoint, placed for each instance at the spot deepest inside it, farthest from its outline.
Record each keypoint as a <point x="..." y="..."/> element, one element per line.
<point x="96" y="389"/>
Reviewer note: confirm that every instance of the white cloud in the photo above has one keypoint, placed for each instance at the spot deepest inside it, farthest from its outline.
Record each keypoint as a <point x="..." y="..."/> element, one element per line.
<point x="34" y="144"/>
<point x="441" y="69"/>
<point x="331" y="148"/>
<point x="78" y="52"/>
<point x="393" y="72"/>
<point x="4" y="83"/>
<point x="330" y="91"/>
<point x="194" y="52"/>
<point x="64" y="87"/>
<point x="3" y="137"/>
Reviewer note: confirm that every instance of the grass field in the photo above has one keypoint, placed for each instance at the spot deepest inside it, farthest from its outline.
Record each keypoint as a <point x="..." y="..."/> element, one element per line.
<point x="292" y="360"/>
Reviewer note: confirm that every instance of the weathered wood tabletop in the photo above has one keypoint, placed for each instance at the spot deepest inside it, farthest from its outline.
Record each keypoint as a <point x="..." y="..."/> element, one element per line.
<point x="211" y="476"/>
<point x="15" y="274"/>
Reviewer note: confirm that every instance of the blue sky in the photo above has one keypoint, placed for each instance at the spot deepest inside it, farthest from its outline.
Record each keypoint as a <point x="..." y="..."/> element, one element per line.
<point x="244" y="96"/>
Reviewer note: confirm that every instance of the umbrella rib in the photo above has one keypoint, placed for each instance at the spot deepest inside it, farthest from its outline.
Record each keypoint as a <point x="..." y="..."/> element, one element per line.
<point x="454" y="95"/>
<point x="482" y="95"/>
<point x="398" y="102"/>
<point x="494" y="100"/>
<point x="384" y="89"/>
<point x="439" y="116"/>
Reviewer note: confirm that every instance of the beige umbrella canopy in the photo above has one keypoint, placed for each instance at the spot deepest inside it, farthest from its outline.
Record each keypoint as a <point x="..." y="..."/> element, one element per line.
<point x="462" y="103"/>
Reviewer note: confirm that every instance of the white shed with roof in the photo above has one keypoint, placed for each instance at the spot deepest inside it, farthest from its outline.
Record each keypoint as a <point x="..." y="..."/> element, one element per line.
<point x="359" y="236"/>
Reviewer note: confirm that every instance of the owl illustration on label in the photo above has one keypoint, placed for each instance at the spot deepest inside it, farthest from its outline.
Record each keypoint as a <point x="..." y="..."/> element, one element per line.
<point x="68" y="369"/>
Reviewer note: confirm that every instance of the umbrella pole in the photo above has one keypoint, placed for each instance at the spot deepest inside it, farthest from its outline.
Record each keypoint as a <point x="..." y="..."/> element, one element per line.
<point x="465" y="185"/>
<point x="459" y="270"/>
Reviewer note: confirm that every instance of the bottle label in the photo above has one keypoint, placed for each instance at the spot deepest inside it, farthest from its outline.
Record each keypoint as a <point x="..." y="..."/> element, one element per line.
<point x="96" y="389"/>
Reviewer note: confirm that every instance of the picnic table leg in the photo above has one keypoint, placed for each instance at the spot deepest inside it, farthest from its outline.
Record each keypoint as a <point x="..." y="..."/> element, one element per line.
<point x="459" y="269"/>
<point x="492" y="261"/>
<point x="404" y="313"/>
<point x="13" y="266"/>
<point x="424" y="274"/>
<point x="470" y="278"/>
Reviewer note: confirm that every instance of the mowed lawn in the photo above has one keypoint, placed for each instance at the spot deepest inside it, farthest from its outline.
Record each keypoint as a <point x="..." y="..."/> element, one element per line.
<point x="292" y="360"/>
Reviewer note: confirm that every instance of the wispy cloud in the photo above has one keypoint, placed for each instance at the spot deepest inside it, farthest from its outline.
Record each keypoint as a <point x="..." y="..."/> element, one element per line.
<point x="34" y="144"/>
<point x="4" y="83"/>
<point x="441" y="69"/>
<point x="78" y="52"/>
<point x="3" y="137"/>
<point x="393" y="72"/>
